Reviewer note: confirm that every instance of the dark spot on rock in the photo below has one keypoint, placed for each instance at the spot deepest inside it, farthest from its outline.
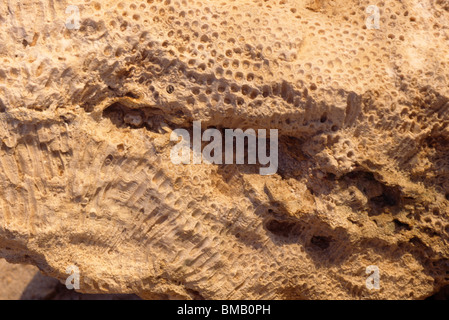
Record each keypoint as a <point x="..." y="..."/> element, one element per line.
<point x="321" y="242"/>
<point x="170" y="89"/>
<point x="283" y="228"/>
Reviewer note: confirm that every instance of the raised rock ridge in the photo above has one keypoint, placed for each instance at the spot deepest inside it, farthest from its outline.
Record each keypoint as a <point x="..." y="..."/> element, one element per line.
<point x="85" y="171"/>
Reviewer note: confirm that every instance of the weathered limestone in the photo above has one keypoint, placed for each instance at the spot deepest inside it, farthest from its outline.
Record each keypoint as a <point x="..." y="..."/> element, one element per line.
<point x="85" y="171"/>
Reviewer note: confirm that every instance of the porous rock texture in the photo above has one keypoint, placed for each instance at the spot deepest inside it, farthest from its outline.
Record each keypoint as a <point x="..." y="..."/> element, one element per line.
<point x="85" y="171"/>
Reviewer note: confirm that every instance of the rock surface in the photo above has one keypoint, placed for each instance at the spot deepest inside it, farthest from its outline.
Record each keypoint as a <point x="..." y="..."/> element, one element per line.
<point x="85" y="171"/>
<point x="25" y="282"/>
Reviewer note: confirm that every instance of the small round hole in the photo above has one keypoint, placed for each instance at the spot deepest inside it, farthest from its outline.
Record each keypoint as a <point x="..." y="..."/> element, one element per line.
<point x="170" y="89"/>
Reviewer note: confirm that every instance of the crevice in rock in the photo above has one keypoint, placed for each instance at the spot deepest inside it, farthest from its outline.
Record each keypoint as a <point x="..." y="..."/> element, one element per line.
<point x="285" y="229"/>
<point x="321" y="242"/>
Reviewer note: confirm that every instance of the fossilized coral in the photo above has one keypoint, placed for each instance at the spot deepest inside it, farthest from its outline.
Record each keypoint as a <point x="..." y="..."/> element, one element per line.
<point x="86" y="177"/>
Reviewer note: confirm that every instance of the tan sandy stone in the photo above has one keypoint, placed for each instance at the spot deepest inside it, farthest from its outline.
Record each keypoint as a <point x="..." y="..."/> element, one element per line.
<point x="85" y="171"/>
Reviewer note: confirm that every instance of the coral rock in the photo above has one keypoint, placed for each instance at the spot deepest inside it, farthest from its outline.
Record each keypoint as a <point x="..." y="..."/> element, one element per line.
<point x="87" y="108"/>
